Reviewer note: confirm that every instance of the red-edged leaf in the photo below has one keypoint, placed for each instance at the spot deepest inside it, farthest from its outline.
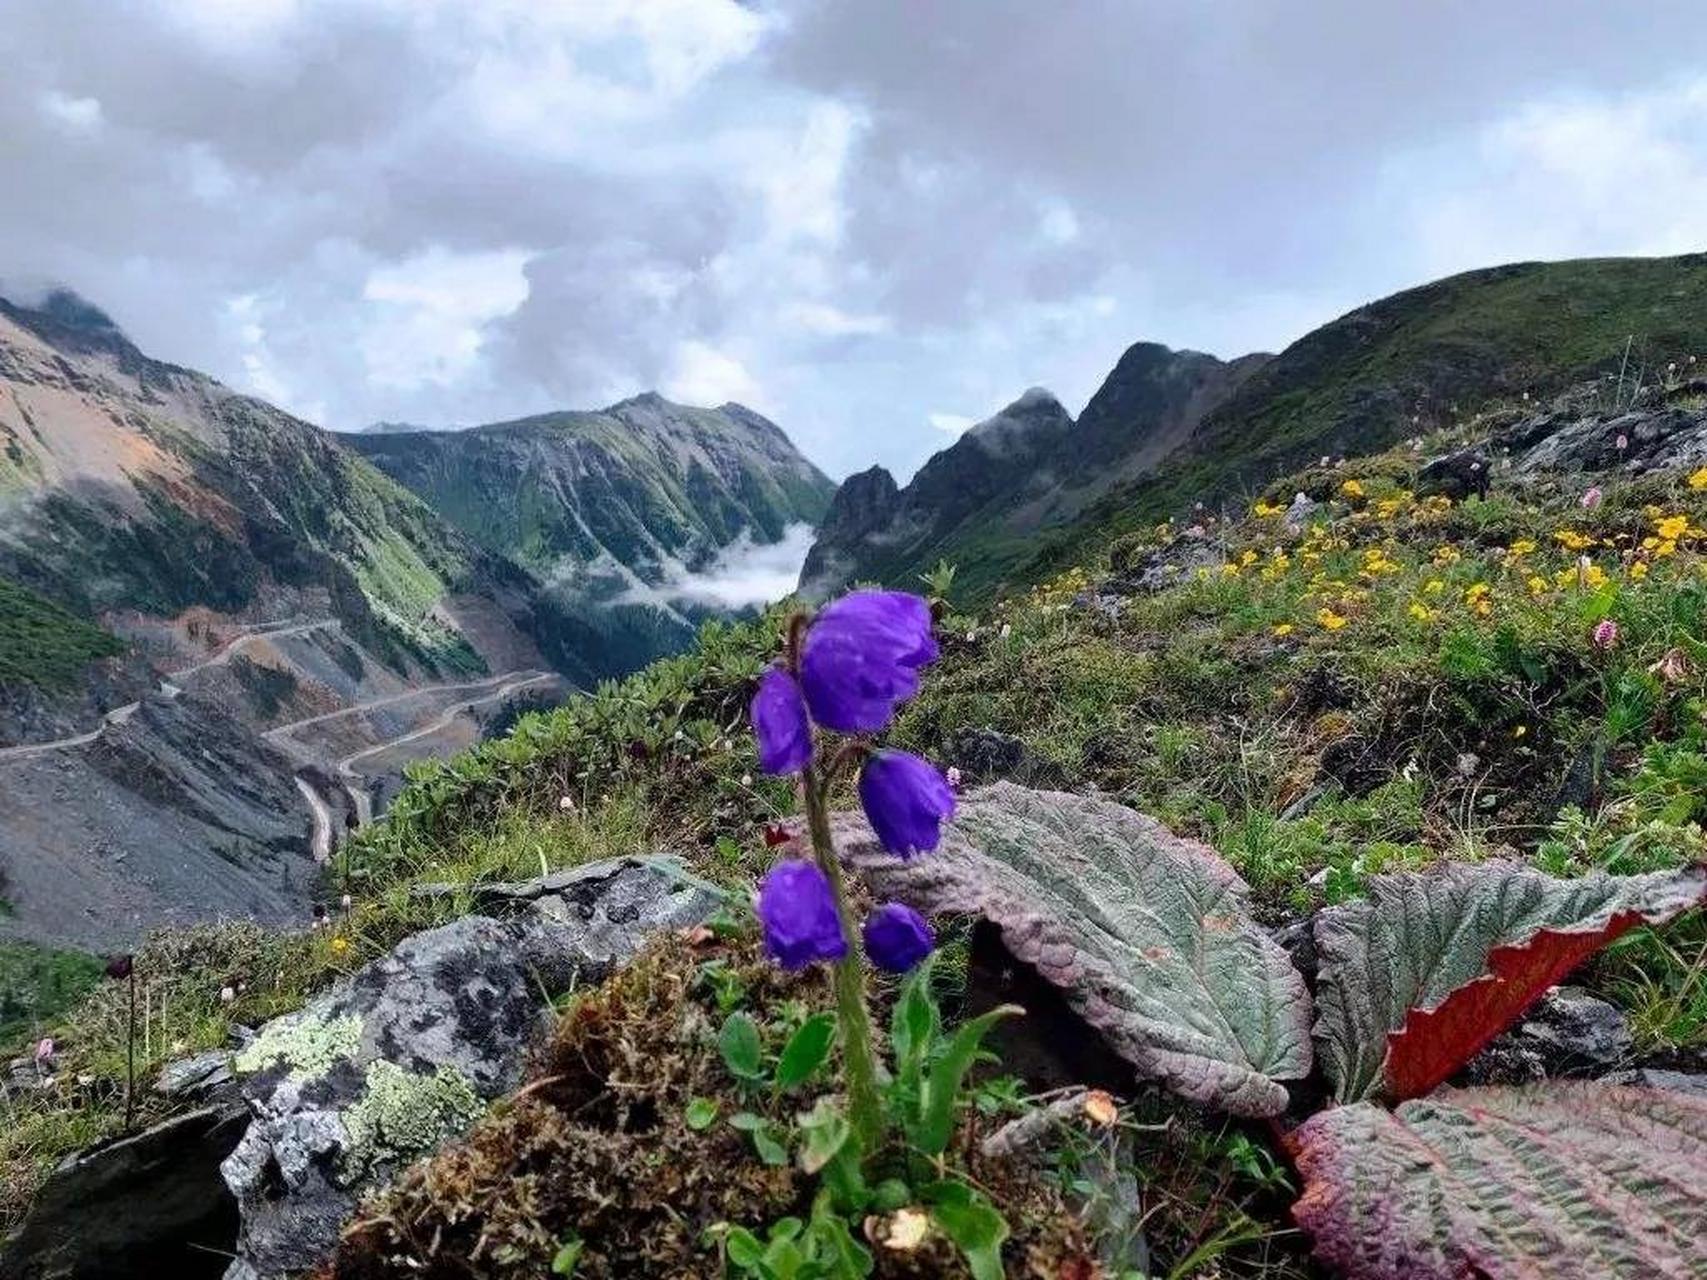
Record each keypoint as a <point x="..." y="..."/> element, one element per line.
<point x="1567" y="1181"/>
<point x="1425" y="971"/>
<point x="1149" y="936"/>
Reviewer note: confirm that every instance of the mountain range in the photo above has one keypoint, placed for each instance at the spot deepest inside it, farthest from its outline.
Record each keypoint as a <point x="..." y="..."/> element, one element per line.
<point x="224" y="631"/>
<point x="1031" y="490"/>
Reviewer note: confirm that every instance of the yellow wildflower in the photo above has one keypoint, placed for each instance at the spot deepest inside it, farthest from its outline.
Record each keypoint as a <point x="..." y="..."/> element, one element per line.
<point x="1352" y="489"/>
<point x="1698" y="479"/>
<point x="1537" y="585"/>
<point x="1283" y="629"/>
<point x="1593" y="575"/>
<point x="1247" y="558"/>
<point x="1638" y="571"/>
<point x="1434" y="586"/>
<point x="1421" y="612"/>
<point x="340" y="944"/>
<point x="1522" y="547"/>
<point x="1263" y="508"/>
<point x="1330" y="620"/>
<point x="1571" y="540"/>
<point x="1671" y="528"/>
<point x="1229" y="570"/>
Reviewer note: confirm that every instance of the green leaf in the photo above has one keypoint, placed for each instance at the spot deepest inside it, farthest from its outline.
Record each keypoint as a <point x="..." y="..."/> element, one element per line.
<point x="806" y="1050"/>
<point x="914" y="1027"/>
<point x="568" y="1254"/>
<point x="738" y="1042"/>
<point x="848" y="1259"/>
<point x="783" y="1259"/>
<point x="890" y="1195"/>
<point x="942" y="1086"/>
<point x="744" y="1249"/>
<point x="972" y="1223"/>
<point x="770" y="1150"/>
<point x="700" y="1113"/>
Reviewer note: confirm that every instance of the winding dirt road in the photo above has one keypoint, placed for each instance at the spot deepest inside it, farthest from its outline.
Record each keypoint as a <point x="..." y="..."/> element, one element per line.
<point x="221" y="657"/>
<point x="353" y="783"/>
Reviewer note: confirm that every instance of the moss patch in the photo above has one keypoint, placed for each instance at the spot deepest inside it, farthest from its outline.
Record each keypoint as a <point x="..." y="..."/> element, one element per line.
<point x="402" y="1114"/>
<point x="308" y="1047"/>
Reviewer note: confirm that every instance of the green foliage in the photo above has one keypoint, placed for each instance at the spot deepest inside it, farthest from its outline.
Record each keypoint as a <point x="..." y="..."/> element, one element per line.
<point x="38" y="984"/>
<point x="45" y="644"/>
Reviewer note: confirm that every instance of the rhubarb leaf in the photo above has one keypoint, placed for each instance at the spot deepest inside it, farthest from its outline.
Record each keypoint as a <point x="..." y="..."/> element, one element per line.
<point x="1149" y="936"/>
<point x="1569" y="1180"/>
<point x="1418" y="976"/>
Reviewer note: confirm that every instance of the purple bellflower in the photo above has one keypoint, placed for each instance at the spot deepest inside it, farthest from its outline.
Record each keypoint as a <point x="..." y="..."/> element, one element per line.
<point x="906" y="800"/>
<point x="798" y="912"/>
<point x="861" y="658"/>
<point x="897" y="937"/>
<point x="779" y="721"/>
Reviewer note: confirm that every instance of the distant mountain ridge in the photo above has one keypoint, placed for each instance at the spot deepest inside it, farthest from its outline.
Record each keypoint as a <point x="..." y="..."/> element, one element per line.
<point x="981" y="502"/>
<point x="606" y="505"/>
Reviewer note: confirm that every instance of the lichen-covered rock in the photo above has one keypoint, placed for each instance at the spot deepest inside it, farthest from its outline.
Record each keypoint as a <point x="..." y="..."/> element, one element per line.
<point x="407" y="1051"/>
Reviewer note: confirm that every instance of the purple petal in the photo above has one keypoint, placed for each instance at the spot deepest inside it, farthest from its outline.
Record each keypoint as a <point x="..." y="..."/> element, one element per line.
<point x="897" y="937"/>
<point x="906" y="800"/>
<point x="798" y="914"/>
<point x="862" y="657"/>
<point x="779" y="721"/>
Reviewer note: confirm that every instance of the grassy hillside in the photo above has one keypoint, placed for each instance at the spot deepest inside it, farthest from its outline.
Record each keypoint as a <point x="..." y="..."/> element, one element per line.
<point x="45" y="645"/>
<point x="1414" y="362"/>
<point x="1406" y="679"/>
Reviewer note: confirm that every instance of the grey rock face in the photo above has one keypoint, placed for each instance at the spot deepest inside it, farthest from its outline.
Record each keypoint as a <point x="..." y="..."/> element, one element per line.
<point x="1166" y="566"/>
<point x="983" y="755"/>
<point x="1654" y="439"/>
<point x="1692" y="1083"/>
<point x="406" y="1052"/>
<point x="148" y="1205"/>
<point x="1567" y="1033"/>
<point x="197" y="1076"/>
<point x="1456" y="475"/>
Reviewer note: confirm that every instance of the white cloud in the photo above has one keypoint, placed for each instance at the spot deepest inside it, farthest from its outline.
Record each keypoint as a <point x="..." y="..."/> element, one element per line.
<point x="704" y="375"/>
<point x="1566" y="176"/>
<point x="433" y="312"/>
<point x="745" y="573"/>
<point x="72" y="115"/>
<point x="951" y="423"/>
<point x="832" y="322"/>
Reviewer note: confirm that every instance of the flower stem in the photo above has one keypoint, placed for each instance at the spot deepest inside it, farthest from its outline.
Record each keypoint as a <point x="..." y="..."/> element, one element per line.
<point x="865" y="1106"/>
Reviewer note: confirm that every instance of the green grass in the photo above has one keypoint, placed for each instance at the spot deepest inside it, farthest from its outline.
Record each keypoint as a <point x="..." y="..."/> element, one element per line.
<point x="45" y="645"/>
<point x="37" y="986"/>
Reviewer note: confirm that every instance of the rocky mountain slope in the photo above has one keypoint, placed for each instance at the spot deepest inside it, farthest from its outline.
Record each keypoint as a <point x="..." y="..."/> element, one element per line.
<point x="1168" y="429"/>
<point x="981" y="502"/>
<point x="610" y="507"/>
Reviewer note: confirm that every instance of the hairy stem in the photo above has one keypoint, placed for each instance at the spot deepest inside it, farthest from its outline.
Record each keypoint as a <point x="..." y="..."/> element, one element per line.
<point x="865" y="1106"/>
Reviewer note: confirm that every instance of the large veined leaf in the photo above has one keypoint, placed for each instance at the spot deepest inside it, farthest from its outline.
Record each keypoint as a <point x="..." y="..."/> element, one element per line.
<point x="1148" y="935"/>
<point x="1418" y="976"/>
<point x="1568" y="1181"/>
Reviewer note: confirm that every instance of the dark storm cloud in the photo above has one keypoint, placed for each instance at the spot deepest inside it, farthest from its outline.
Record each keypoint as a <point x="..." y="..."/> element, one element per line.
<point x="859" y="214"/>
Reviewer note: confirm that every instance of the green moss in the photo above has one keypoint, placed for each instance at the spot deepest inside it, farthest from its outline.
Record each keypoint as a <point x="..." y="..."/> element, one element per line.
<point x="308" y="1047"/>
<point x="38" y="984"/>
<point x="44" y="644"/>
<point x="401" y="1115"/>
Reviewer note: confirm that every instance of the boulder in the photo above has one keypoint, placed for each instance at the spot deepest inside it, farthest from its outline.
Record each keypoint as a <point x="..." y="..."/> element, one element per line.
<point x="1567" y="1033"/>
<point x="1176" y="562"/>
<point x="406" y="1052"/>
<point x="151" y="1204"/>
<point x="984" y="755"/>
<point x="1456" y="475"/>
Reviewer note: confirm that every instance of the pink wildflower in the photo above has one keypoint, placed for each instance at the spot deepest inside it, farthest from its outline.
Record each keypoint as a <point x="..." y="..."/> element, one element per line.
<point x="1591" y="499"/>
<point x="1605" y="634"/>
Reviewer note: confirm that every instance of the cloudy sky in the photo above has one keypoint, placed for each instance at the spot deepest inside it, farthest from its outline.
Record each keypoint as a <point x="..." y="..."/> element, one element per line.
<point x="873" y="220"/>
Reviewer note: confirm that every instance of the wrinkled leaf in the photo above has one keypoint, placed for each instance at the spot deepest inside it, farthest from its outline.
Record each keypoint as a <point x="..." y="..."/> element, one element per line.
<point x="1428" y="968"/>
<point x="1148" y="935"/>
<point x="1571" y="1181"/>
<point x="699" y="1113"/>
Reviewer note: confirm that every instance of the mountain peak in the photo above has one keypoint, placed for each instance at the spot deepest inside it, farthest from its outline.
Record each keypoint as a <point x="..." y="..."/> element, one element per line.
<point x="66" y="308"/>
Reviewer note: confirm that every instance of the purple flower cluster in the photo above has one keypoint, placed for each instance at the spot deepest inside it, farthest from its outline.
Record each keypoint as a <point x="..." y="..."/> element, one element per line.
<point x="858" y="661"/>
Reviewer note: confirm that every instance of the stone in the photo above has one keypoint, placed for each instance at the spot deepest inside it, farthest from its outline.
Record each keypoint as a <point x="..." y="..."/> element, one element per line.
<point x="1456" y="475"/>
<point x="406" y="1052"/>
<point x="1298" y="515"/>
<point x="1568" y="1032"/>
<point x="152" y="1204"/>
<point x="984" y="755"/>
<point x="197" y="1076"/>
<point x="1156" y="570"/>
